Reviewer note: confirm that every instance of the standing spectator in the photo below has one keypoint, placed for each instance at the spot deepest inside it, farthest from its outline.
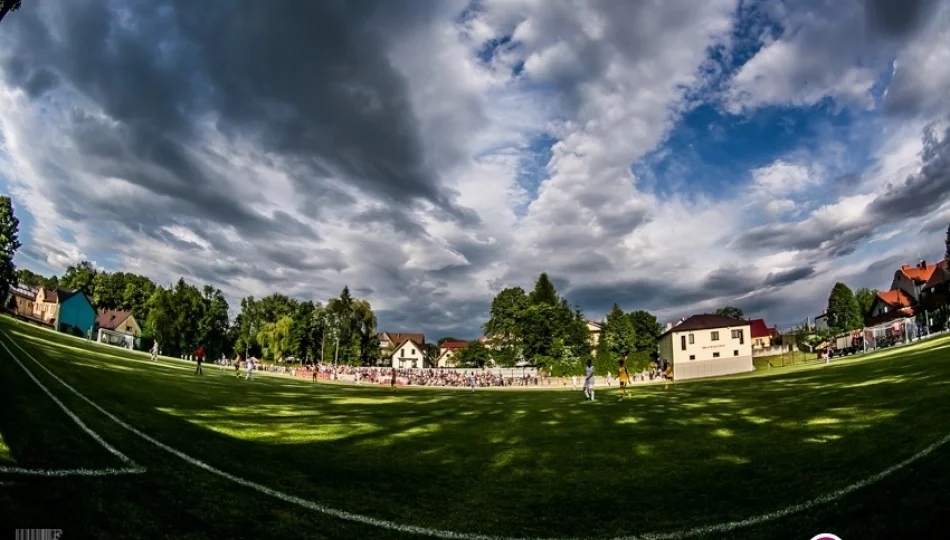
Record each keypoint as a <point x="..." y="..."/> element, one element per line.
<point x="199" y="358"/>
<point x="155" y="351"/>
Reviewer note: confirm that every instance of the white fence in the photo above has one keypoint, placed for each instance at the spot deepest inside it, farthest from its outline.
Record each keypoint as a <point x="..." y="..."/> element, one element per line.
<point x="771" y="351"/>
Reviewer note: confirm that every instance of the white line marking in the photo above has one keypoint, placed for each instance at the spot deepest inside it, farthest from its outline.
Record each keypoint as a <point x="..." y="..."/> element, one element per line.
<point x="122" y="457"/>
<point x="58" y="473"/>
<point x="453" y="535"/>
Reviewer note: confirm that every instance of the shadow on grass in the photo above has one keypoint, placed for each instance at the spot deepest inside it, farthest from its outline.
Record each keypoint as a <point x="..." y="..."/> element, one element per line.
<point x="484" y="461"/>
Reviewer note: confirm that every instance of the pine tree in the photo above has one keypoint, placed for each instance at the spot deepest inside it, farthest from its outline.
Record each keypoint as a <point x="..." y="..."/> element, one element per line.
<point x="9" y="244"/>
<point x="544" y="291"/>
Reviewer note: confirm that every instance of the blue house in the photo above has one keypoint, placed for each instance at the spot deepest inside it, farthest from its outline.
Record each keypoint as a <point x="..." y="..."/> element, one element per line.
<point x="76" y="315"/>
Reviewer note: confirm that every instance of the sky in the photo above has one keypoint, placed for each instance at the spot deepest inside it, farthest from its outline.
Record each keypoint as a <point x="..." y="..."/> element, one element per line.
<point x="668" y="155"/>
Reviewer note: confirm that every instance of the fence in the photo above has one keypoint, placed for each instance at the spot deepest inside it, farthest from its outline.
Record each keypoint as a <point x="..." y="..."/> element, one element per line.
<point x="893" y="333"/>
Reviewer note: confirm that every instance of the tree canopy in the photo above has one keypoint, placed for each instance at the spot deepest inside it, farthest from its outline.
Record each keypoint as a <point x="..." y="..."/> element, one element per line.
<point x="865" y="298"/>
<point x="9" y="244"/>
<point x="732" y="312"/>
<point x="844" y="313"/>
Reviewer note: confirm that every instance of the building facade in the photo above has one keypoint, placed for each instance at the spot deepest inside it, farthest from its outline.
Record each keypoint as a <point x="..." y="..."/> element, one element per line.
<point x="707" y="346"/>
<point x="408" y="355"/>
<point x="76" y="315"/>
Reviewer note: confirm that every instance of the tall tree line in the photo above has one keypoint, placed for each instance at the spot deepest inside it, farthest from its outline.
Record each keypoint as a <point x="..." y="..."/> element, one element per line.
<point x="277" y="326"/>
<point x="541" y="327"/>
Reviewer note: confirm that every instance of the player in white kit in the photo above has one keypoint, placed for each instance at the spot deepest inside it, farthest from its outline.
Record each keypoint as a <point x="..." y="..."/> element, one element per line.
<point x="589" y="382"/>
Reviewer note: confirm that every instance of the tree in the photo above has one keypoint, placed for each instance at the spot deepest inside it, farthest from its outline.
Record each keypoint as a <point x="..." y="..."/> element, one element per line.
<point x="647" y="330"/>
<point x="619" y="334"/>
<point x="275" y="338"/>
<point x="844" y="314"/>
<point x="544" y="291"/>
<point x="865" y="298"/>
<point x="30" y="279"/>
<point x="6" y="6"/>
<point x="505" y="324"/>
<point x="161" y="319"/>
<point x="81" y="276"/>
<point x="604" y="359"/>
<point x="213" y="327"/>
<point x="731" y="312"/>
<point x="9" y="244"/>
<point x="445" y="339"/>
<point x="475" y="354"/>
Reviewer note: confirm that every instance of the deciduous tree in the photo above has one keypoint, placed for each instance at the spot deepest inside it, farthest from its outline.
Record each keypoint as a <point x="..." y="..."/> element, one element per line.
<point x="865" y="298"/>
<point x="844" y="314"/>
<point x="731" y="311"/>
<point x="9" y="244"/>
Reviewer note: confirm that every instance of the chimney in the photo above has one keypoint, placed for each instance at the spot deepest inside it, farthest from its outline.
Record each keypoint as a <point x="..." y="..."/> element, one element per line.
<point x="669" y="326"/>
<point x="923" y="264"/>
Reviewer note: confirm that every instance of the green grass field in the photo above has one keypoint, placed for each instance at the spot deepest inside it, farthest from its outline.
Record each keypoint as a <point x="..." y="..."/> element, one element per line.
<point x="496" y="463"/>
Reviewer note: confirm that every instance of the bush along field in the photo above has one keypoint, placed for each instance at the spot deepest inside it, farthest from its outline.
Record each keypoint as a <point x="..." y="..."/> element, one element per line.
<point x="857" y="448"/>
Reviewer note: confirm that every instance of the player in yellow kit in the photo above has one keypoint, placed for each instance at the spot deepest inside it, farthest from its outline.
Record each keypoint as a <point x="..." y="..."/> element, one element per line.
<point x="624" y="376"/>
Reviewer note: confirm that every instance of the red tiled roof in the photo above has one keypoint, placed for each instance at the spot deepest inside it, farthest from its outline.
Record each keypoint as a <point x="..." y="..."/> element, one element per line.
<point x="111" y="318"/>
<point x="896" y="298"/>
<point x="398" y="338"/>
<point x="454" y="345"/>
<point x="706" y="322"/>
<point x="940" y="275"/>
<point x="759" y="328"/>
<point x="918" y="273"/>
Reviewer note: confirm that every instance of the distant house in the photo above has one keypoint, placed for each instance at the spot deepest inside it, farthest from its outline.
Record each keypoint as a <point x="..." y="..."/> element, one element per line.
<point x="707" y="346"/>
<point x="890" y="305"/>
<point x="22" y="302"/>
<point x="912" y="279"/>
<point x="447" y="352"/>
<point x="118" y="321"/>
<point x="409" y="354"/>
<point x="76" y="314"/>
<point x="936" y="292"/>
<point x="761" y="334"/>
<point x="46" y="306"/>
<point x="390" y="343"/>
<point x="595" y="329"/>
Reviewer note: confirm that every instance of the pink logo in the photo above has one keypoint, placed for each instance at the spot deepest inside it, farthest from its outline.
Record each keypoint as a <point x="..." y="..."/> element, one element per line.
<point x="826" y="536"/>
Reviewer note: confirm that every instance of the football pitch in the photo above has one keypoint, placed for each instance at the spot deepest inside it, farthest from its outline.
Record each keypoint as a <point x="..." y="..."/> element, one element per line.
<point x="103" y="443"/>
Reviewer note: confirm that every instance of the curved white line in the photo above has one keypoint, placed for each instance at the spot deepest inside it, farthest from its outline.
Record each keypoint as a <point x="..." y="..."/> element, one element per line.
<point x="453" y="535"/>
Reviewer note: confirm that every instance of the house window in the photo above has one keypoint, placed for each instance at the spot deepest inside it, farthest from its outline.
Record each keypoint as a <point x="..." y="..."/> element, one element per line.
<point x="738" y="334"/>
<point x="715" y="355"/>
<point x="692" y="339"/>
<point x="735" y="353"/>
<point x="692" y="357"/>
<point x="715" y="336"/>
<point x="683" y="342"/>
<point x="413" y="353"/>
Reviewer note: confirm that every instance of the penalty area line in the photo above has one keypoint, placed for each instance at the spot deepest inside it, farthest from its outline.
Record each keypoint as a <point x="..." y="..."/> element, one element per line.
<point x="454" y="535"/>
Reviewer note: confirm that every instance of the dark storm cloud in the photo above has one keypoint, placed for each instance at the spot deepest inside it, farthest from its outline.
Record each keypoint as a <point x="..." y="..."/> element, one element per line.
<point x="898" y="18"/>
<point x="809" y="235"/>
<point x="787" y="277"/>
<point x="921" y="193"/>
<point x="308" y="81"/>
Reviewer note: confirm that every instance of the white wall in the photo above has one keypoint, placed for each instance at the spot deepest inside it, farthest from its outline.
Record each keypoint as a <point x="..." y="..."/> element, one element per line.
<point x="696" y="354"/>
<point x="408" y="356"/>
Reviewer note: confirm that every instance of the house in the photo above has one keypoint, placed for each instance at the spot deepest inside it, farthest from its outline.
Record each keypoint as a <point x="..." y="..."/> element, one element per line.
<point x="76" y="314"/>
<point x="761" y="334"/>
<point x="912" y="279"/>
<point x="890" y="305"/>
<point x="594" y="329"/>
<point x="118" y="321"/>
<point x="391" y="343"/>
<point x="707" y="346"/>
<point x="936" y="292"/>
<point x="22" y="301"/>
<point x="447" y="352"/>
<point x="46" y="306"/>
<point x="409" y="354"/>
<point x="393" y="339"/>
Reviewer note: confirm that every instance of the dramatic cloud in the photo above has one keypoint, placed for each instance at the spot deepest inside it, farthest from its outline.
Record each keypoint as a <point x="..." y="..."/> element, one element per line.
<point x="428" y="153"/>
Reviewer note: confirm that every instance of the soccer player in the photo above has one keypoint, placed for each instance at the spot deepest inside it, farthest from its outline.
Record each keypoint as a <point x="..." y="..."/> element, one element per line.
<point x="589" y="381"/>
<point x="250" y="369"/>
<point x="199" y="358"/>
<point x="624" y="375"/>
<point x="392" y="382"/>
<point x="154" y="351"/>
<point x="471" y="380"/>
<point x="668" y="373"/>
<point x="573" y="382"/>
<point x="237" y="365"/>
